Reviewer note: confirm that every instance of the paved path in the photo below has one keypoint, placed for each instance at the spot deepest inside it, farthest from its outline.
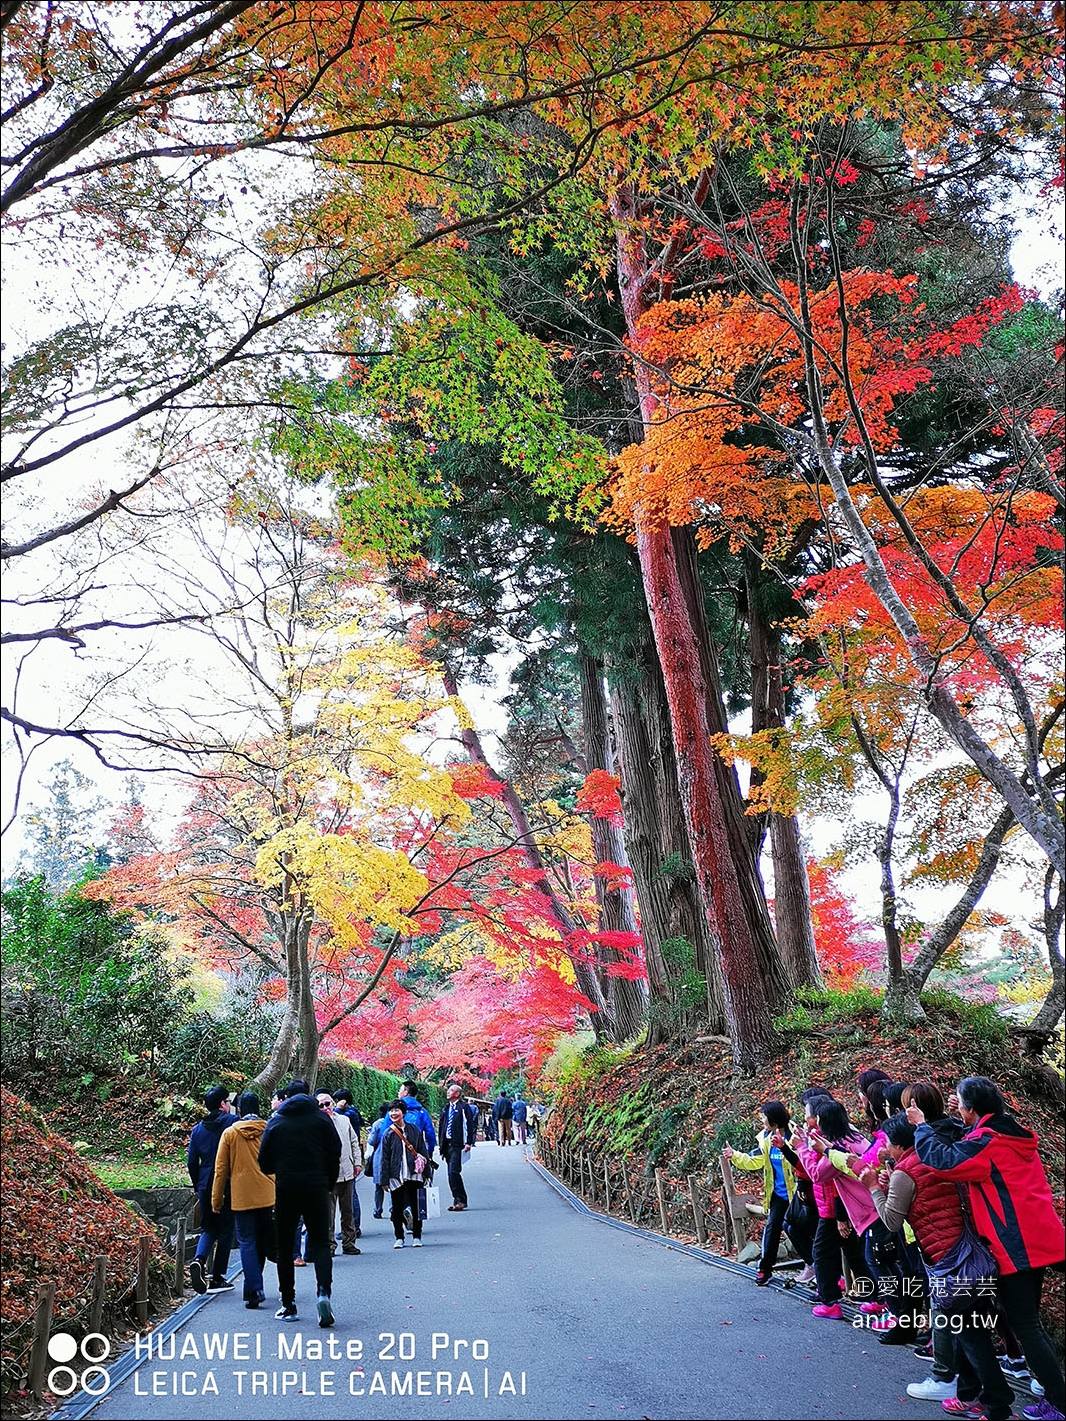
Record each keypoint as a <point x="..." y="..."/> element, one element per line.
<point x="548" y="1311"/>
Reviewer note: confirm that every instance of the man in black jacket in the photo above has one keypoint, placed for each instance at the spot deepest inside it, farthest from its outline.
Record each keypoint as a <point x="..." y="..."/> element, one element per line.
<point x="457" y="1132"/>
<point x="302" y="1150"/>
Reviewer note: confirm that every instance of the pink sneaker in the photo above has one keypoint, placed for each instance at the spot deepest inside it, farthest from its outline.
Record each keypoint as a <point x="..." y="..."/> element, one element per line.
<point x="832" y="1310"/>
<point x="882" y="1324"/>
<point x="874" y="1309"/>
<point x="954" y="1407"/>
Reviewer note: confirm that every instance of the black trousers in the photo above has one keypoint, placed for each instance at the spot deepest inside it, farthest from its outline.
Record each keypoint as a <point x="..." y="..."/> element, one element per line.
<point x="315" y="1203"/>
<point x="1019" y="1296"/>
<point x="828" y="1248"/>
<point x="979" y="1372"/>
<point x="454" y="1155"/>
<point x="406" y="1197"/>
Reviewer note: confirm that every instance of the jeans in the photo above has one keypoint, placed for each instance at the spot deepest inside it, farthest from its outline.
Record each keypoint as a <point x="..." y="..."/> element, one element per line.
<point x="313" y="1202"/>
<point x="406" y="1197"/>
<point x="771" y="1234"/>
<point x="1019" y="1296"/>
<point x="216" y="1236"/>
<point x="455" y="1175"/>
<point x="379" y="1200"/>
<point x="251" y="1226"/>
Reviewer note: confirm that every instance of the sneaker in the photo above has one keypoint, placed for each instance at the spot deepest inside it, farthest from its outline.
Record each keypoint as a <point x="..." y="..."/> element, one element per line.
<point x="398" y="1243"/>
<point x="416" y="1243"/>
<point x="1015" y="1367"/>
<point x="881" y="1324"/>
<point x="954" y="1407"/>
<point x="924" y="1350"/>
<point x="872" y="1309"/>
<point x="325" y="1311"/>
<point x="806" y="1274"/>
<point x="197" y="1276"/>
<point x="931" y="1390"/>
<point x="1042" y="1411"/>
<point x="377" y="1216"/>
<point x="220" y="1285"/>
<point x="253" y="1303"/>
<point x="299" y="1262"/>
<point x="350" y="1251"/>
<point x="1036" y="1388"/>
<point x="287" y="1310"/>
<point x="832" y="1310"/>
<point x="761" y="1279"/>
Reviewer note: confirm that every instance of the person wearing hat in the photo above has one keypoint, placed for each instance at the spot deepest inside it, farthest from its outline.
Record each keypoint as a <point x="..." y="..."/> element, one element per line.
<point x="216" y="1230"/>
<point x="251" y="1194"/>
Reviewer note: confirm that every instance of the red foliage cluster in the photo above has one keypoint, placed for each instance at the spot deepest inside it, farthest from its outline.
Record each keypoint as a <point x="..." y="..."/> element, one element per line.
<point x="57" y="1218"/>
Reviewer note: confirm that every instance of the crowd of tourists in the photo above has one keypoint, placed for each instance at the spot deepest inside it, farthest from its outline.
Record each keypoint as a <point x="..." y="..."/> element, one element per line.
<point x="277" y="1185"/>
<point x="941" y="1213"/>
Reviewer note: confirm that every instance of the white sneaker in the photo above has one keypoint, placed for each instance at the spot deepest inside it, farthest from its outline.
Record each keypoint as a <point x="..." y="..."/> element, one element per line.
<point x="931" y="1390"/>
<point x="806" y="1275"/>
<point x="398" y="1243"/>
<point x="1036" y="1388"/>
<point x="416" y="1243"/>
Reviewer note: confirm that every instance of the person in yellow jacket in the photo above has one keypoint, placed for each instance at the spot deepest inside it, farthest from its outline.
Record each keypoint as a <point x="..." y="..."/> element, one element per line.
<point x="778" y="1163"/>
<point x="251" y="1194"/>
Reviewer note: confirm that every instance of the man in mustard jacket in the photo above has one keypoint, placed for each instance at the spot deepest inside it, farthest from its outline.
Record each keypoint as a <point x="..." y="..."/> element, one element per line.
<point x="251" y="1193"/>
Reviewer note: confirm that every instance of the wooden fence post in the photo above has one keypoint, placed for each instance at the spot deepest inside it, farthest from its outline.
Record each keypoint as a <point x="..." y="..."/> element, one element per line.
<point x="697" y="1211"/>
<point x="46" y="1297"/>
<point x="592" y="1179"/>
<point x="629" y="1192"/>
<point x="606" y="1187"/>
<point x="96" y="1309"/>
<point x="179" y="1260"/>
<point x="662" y="1200"/>
<point x="144" y="1249"/>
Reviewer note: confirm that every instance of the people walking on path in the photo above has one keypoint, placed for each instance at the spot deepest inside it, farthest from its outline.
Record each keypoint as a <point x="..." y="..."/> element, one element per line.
<point x="342" y="1195"/>
<point x="302" y="1150"/>
<point x="207" y="1271"/>
<point x="373" y="1157"/>
<point x="778" y="1163"/>
<point x="520" y="1116"/>
<point x="404" y="1152"/>
<point x="251" y="1194"/>
<point x="457" y="1131"/>
<point x="502" y="1113"/>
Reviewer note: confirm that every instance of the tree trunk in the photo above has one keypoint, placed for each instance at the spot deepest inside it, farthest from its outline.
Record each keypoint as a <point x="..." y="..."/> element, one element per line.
<point x="288" y="1034"/>
<point x="792" y="889"/>
<point x="1050" y="1014"/>
<point x="755" y="982"/>
<point x="307" y="1059"/>
<point x="627" y="999"/>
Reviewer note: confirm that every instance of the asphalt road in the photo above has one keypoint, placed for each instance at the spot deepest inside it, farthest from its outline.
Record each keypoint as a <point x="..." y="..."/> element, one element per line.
<point x="521" y="1307"/>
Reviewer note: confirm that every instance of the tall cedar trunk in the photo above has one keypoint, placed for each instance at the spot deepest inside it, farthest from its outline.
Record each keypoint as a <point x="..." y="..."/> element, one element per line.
<point x="627" y="999"/>
<point x="756" y="985"/>
<point x="655" y="831"/>
<point x="587" y="980"/>
<point x="792" y="889"/>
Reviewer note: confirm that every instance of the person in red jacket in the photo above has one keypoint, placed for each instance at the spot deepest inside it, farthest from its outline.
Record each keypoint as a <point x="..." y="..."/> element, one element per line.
<point x="1010" y="1200"/>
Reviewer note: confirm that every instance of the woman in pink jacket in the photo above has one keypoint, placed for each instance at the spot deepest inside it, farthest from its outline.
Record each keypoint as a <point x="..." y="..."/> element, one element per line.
<point x="836" y="1232"/>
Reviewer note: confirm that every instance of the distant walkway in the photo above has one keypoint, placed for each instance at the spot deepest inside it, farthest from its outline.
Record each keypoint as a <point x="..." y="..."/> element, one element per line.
<point x="520" y="1307"/>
